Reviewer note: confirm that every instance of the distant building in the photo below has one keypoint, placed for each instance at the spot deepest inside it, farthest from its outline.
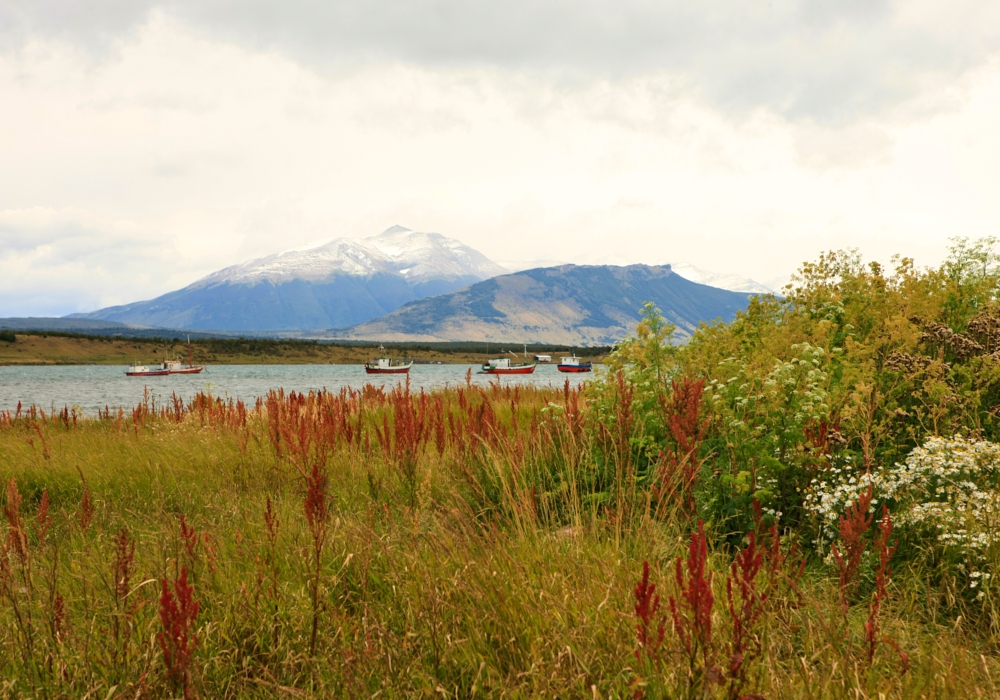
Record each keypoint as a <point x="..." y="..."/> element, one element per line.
<point x="543" y="358"/>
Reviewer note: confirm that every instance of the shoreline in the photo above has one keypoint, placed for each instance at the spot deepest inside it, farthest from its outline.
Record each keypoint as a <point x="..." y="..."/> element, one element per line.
<point x="41" y="350"/>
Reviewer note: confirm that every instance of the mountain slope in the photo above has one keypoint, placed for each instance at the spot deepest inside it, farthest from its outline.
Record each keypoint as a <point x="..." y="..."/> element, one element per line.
<point x="569" y="304"/>
<point x="340" y="283"/>
<point x="722" y="280"/>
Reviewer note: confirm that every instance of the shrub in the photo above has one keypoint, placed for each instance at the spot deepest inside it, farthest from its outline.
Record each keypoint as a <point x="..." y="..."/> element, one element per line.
<point x="946" y="496"/>
<point x="8" y="337"/>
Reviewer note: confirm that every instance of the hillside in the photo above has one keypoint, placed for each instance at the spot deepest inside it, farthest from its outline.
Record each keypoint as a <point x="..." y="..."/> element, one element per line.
<point x="572" y="304"/>
<point x="341" y="283"/>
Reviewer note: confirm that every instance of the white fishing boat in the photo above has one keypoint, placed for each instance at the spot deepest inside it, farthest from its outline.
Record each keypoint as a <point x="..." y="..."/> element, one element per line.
<point x="503" y="365"/>
<point x="386" y="365"/>
<point x="137" y="370"/>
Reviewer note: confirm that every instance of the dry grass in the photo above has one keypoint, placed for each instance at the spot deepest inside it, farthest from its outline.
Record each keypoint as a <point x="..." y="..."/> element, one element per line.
<point x="480" y="570"/>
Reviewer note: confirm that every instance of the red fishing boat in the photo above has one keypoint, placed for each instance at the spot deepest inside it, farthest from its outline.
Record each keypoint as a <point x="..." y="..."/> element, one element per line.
<point x="386" y="365"/>
<point x="144" y="371"/>
<point x="574" y="364"/>
<point x="503" y="365"/>
<point x="175" y="367"/>
<point x="165" y="368"/>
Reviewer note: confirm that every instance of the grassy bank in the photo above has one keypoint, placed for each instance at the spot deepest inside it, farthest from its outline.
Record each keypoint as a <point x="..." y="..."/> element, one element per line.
<point x="446" y="545"/>
<point x="802" y="503"/>
<point x="39" y="348"/>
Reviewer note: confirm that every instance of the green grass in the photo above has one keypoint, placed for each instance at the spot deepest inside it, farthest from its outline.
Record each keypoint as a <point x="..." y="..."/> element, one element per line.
<point x="501" y="580"/>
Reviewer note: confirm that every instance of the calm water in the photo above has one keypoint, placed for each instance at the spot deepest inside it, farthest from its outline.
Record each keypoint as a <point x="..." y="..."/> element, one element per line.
<point x="91" y="387"/>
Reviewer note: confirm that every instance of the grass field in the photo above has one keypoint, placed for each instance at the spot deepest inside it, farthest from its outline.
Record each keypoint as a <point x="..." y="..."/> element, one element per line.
<point x="472" y="543"/>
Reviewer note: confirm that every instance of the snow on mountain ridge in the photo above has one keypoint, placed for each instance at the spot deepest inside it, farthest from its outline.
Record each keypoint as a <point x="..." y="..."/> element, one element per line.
<point x="720" y="280"/>
<point x="415" y="255"/>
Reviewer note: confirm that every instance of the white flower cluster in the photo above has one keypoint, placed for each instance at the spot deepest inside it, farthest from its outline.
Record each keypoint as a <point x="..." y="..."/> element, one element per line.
<point x="829" y="496"/>
<point x="947" y="490"/>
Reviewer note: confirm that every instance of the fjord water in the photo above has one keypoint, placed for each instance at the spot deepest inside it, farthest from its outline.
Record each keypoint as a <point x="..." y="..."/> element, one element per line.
<point x="92" y="387"/>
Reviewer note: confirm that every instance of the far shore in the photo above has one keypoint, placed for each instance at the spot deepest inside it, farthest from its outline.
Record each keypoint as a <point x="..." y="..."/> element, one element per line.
<point x="51" y="349"/>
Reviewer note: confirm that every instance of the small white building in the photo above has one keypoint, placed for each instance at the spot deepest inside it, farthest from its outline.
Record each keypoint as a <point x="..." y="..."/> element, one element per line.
<point x="543" y="358"/>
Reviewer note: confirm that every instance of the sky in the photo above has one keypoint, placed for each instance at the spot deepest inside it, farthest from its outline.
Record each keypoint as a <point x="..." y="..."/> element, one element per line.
<point x="144" y="145"/>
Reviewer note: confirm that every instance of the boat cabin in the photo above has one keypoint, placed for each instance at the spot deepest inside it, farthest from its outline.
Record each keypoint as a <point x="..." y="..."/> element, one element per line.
<point x="499" y="363"/>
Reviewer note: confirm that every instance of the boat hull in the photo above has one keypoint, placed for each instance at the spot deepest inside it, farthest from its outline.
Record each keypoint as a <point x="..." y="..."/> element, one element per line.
<point x="574" y="368"/>
<point x="387" y="370"/>
<point x="151" y="373"/>
<point x="187" y="370"/>
<point x="509" y="370"/>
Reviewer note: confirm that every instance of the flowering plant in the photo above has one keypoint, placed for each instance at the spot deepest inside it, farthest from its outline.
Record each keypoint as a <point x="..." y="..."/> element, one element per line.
<point x="946" y="494"/>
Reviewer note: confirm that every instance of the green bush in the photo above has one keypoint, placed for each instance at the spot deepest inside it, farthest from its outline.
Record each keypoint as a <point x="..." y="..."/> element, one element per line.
<point x="8" y="337"/>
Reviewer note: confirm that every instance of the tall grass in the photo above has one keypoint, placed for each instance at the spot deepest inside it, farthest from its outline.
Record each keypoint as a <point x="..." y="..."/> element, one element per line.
<point x="467" y="543"/>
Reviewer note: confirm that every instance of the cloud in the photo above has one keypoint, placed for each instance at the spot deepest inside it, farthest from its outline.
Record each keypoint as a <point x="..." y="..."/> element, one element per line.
<point x="54" y="262"/>
<point x="826" y="61"/>
<point x="150" y="145"/>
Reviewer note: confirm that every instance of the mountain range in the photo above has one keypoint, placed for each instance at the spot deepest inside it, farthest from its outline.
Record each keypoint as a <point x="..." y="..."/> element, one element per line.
<point x="408" y="285"/>
<point x="569" y="304"/>
<point x="341" y="283"/>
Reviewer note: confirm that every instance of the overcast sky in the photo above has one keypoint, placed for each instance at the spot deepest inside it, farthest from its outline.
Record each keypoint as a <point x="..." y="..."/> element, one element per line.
<point x="144" y="145"/>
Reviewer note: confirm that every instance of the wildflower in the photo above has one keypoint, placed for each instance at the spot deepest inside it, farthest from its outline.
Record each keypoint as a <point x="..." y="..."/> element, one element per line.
<point x="178" y="610"/>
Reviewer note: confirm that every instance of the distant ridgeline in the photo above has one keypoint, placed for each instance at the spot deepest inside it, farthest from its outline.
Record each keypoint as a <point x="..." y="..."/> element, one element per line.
<point x="406" y="285"/>
<point x="570" y="304"/>
<point x="566" y="306"/>
<point x="97" y="328"/>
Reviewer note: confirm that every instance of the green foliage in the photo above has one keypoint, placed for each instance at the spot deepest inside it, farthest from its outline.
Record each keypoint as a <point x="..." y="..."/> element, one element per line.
<point x="7" y="337"/>
<point x="857" y="366"/>
<point x="646" y="360"/>
<point x="761" y="439"/>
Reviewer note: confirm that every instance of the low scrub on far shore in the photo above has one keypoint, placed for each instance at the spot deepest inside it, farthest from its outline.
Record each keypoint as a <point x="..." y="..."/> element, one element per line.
<point x="64" y="348"/>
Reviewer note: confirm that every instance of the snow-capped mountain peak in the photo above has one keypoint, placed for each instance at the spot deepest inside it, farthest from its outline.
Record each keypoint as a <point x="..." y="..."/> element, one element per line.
<point x="418" y="256"/>
<point x="415" y="255"/>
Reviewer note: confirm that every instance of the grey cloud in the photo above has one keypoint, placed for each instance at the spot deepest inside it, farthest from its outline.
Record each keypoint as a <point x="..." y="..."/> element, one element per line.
<point x="65" y="266"/>
<point x="68" y="243"/>
<point x="93" y="24"/>
<point x="828" y="61"/>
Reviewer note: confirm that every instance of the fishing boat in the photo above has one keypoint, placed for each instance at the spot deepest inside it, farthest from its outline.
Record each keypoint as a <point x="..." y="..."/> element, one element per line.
<point x="165" y="368"/>
<point x="503" y="365"/>
<point x="176" y="367"/>
<point x="386" y="365"/>
<point x="136" y="370"/>
<point x="574" y="364"/>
